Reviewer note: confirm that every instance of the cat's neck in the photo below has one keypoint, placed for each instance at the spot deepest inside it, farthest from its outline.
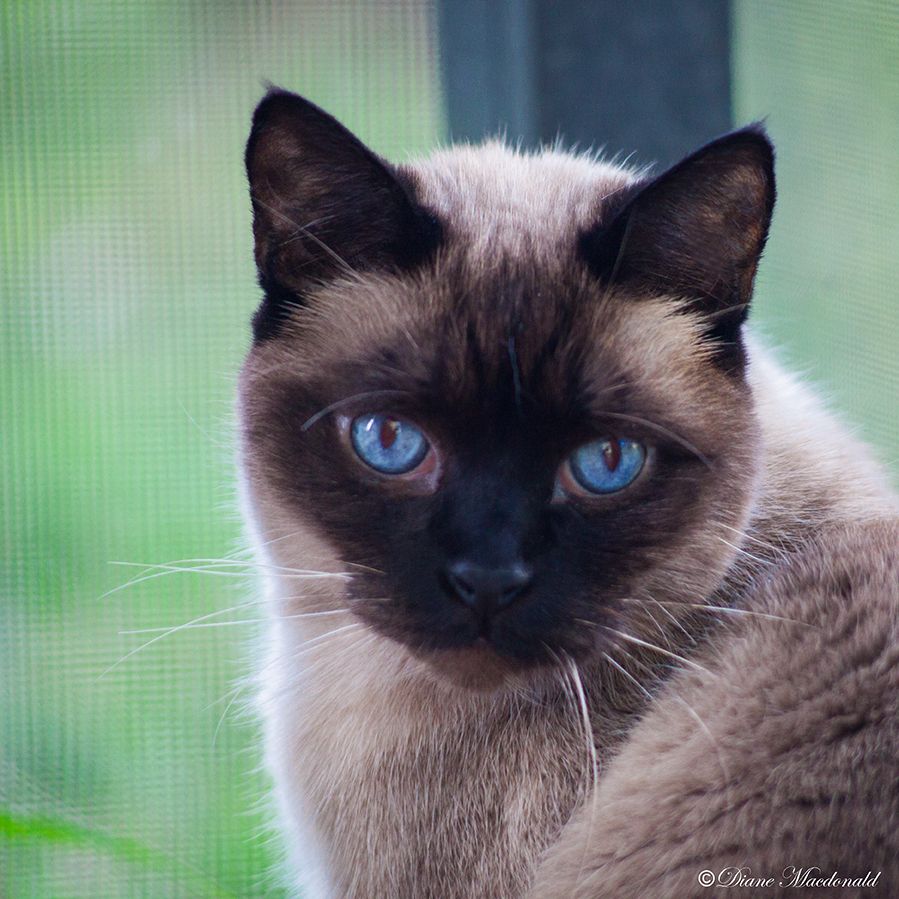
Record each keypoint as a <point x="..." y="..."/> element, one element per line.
<point x="816" y="473"/>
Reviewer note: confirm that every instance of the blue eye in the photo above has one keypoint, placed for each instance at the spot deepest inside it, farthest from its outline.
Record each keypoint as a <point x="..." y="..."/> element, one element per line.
<point x="389" y="445"/>
<point x="606" y="466"/>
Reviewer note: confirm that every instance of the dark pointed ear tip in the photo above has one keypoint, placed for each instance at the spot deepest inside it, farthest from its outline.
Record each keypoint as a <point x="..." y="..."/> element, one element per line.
<point x="751" y="140"/>
<point x="277" y="100"/>
<point x="281" y="111"/>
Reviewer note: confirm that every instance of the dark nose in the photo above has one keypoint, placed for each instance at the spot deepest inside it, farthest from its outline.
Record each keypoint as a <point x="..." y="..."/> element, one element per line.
<point x="488" y="589"/>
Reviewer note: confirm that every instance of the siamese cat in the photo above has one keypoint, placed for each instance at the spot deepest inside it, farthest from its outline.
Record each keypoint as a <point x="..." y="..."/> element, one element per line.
<point x="573" y="592"/>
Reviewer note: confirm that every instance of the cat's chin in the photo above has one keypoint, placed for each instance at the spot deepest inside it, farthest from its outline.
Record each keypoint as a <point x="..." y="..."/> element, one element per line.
<point x="477" y="667"/>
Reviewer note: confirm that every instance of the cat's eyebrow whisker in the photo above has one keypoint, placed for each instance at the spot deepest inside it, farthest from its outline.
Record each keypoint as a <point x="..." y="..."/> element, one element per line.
<point x="727" y="310"/>
<point x="516" y="374"/>
<point x="630" y="638"/>
<point x="302" y="231"/>
<point x="667" y="432"/>
<point x="610" y="285"/>
<point x="339" y="404"/>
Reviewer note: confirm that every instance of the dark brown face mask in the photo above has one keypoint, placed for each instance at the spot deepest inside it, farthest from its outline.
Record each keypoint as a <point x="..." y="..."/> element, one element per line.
<point x="521" y="379"/>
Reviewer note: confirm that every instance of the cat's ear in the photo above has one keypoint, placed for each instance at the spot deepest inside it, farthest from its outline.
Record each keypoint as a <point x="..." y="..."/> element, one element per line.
<point x="323" y="204"/>
<point x="696" y="231"/>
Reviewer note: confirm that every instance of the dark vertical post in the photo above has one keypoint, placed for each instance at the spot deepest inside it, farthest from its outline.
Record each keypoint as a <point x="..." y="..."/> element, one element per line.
<point x="487" y="52"/>
<point x="644" y="76"/>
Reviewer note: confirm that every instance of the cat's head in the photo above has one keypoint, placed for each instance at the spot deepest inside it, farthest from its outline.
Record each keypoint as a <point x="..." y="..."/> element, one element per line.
<point x="504" y="392"/>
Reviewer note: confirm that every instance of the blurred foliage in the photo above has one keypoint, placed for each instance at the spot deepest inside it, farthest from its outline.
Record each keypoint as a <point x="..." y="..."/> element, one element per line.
<point x="127" y="286"/>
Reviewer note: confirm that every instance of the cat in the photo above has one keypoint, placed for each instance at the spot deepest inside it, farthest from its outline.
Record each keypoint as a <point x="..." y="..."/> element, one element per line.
<point x="573" y="590"/>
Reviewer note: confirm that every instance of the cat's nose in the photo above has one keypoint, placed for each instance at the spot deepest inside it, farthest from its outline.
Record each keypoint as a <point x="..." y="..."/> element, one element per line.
<point x="487" y="589"/>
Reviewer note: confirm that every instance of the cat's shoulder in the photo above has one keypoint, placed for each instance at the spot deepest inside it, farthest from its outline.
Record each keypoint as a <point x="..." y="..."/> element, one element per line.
<point x="778" y="747"/>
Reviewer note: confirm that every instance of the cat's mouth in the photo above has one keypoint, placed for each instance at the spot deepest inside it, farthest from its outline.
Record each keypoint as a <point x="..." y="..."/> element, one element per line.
<point x="480" y="651"/>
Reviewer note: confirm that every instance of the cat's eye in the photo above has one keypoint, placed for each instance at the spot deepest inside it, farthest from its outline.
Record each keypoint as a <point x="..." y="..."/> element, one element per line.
<point x="607" y="465"/>
<point x="387" y="444"/>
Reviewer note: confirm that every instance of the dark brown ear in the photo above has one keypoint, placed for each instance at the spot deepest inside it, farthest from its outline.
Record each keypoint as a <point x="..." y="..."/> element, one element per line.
<point x="696" y="231"/>
<point x="323" y="203"/>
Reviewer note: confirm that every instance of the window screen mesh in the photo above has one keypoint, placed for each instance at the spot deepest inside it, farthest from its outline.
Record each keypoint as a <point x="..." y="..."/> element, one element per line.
<point x="826" y="75"/>
<point x="127" y="287"/>
<point x="125" y="291"/>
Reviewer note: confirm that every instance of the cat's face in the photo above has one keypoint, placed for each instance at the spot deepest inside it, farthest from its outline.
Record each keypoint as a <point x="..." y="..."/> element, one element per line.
<point x="500" y="423"/>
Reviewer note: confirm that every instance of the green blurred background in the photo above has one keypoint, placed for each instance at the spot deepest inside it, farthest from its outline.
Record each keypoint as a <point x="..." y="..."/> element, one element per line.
<point x="126" y="286"/>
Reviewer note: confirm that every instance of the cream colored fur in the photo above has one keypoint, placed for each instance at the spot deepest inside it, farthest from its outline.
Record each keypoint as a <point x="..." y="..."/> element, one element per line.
<point x="357" y="702"/>
<point x="392" y="780"/>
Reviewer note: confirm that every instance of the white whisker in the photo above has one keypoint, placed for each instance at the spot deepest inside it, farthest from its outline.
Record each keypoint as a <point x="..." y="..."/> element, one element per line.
<point x="262" y="619"/>
<point x="314" y="642"/>
<point x="743" y="552"/>
<point x="235" y="694"/>
<point x="636" y="640"/>
<point x="594" y="762"/>
<point x="158" y="637"/>
<point x="211" y="569"/>
<point x="333" y="407"/>
<point x="628" y="675"/>
<point x="726" y="609"/>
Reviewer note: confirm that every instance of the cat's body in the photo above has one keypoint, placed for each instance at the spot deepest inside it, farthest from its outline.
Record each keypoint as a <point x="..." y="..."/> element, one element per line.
<point x="612" y="737"/>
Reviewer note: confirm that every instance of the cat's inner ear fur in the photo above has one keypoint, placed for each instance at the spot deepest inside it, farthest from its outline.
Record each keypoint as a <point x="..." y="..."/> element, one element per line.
<point x="696" y="231"/>
<point x="323" y="205"/>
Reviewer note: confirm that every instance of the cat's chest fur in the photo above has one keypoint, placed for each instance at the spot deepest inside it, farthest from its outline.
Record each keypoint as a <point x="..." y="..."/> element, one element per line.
<point x="409" y="790"/>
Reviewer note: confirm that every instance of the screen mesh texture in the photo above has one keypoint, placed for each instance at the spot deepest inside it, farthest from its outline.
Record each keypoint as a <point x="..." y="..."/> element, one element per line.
<point x="127" y="287"/>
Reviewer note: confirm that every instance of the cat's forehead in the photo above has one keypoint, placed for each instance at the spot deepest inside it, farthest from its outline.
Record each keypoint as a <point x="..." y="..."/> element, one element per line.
<point x="507" y="295"/>
<point x="467" y="343"/>
<point x="522" y="205"/>
<point x="507" y="267"/>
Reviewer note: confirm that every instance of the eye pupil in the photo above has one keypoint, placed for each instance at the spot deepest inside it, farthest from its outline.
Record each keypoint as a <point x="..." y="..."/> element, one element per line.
<point x="387" y="444"/>
<point x="611" y="454"/>
<point x="607" y="465"/>
<point x="389" y="430"/>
